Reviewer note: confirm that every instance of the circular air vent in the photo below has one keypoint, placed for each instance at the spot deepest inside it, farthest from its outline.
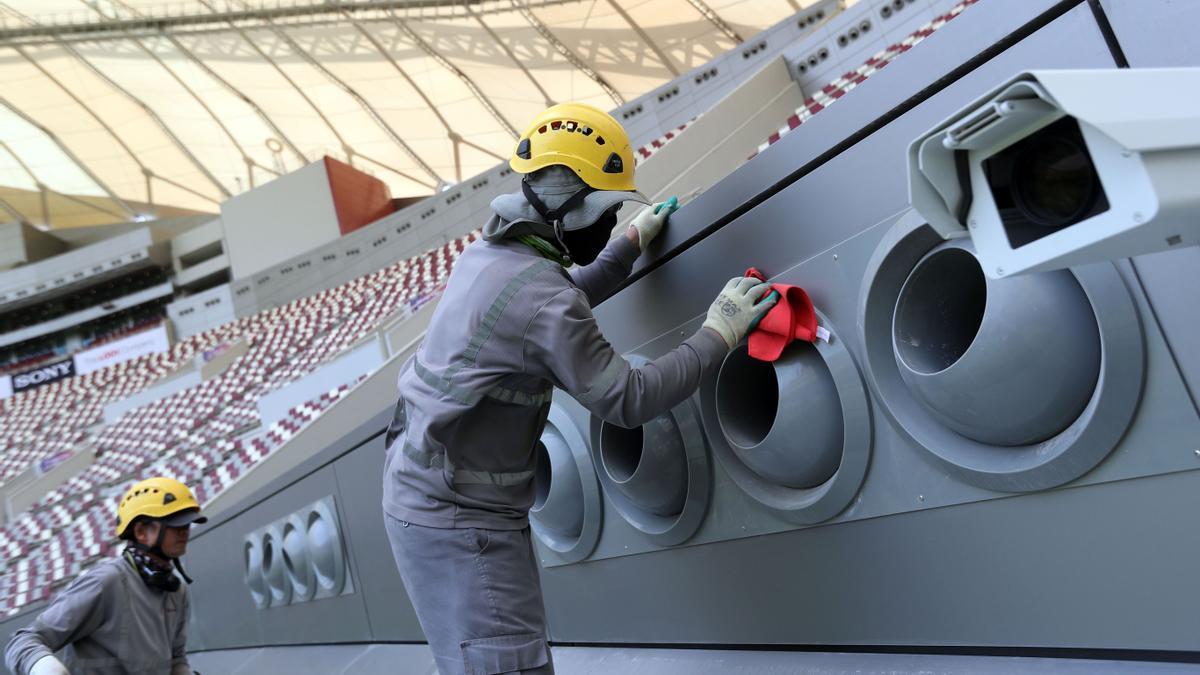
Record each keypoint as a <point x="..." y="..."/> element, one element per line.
<point x="566" y="510"/>
<point x="782" y="419"/>
<point x="794" y="434"/>
<point x="325" y="550"/>
<point x="296" y="559"/>
<point x="255" y="581"/>
<point x="1015" y="384"/>
<point x="657" y="476"/>
<point x="1006" y="362"/>
<point x="273" y="569"/>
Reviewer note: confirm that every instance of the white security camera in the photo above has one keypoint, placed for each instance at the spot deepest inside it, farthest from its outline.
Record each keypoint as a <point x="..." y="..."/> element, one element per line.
<point x="1057" y="168"/>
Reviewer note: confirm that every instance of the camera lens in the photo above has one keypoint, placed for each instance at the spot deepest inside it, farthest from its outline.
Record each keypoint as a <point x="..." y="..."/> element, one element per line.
<point x="1053" y="182"/>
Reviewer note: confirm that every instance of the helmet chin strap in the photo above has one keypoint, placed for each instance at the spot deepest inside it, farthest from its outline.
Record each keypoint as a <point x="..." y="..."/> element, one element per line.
<point x="554" y="217"/>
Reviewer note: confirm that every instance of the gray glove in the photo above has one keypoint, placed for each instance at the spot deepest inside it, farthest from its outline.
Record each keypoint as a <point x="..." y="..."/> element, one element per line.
<point x="48" y="665"/>
<point x="738" y="307"/>
<point x="649" y="222"/>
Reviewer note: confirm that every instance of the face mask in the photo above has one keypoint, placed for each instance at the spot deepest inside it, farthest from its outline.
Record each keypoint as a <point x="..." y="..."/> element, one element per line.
<point x="585" y="245"/>
<point x="153" y="574"/>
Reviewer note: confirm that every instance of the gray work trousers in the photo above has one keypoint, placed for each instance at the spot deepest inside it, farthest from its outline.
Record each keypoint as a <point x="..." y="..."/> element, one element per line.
<point x="478" y="597"/>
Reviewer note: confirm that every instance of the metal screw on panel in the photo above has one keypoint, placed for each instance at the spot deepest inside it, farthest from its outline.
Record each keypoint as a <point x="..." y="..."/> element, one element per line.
<point x="835" y="256"/>
<point x="1197" y="452"/>
<point x="920" y="498"/>
<point x="999" y="271"/>
<point x="1138" y="217"/>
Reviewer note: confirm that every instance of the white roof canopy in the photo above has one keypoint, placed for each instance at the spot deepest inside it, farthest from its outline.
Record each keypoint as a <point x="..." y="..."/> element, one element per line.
<point x="117" y="109"/>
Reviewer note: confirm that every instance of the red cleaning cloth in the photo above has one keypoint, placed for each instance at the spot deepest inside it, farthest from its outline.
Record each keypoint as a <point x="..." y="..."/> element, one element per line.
<point x="792" y="318"/>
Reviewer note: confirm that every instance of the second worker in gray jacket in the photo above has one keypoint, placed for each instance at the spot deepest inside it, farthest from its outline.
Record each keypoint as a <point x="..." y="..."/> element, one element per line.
<point x="513" y="324"/>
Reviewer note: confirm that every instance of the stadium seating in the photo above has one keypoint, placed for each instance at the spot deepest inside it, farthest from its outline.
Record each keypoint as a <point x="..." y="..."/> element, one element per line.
<point x="839" y="87"/>
<point x="198" y="435"/>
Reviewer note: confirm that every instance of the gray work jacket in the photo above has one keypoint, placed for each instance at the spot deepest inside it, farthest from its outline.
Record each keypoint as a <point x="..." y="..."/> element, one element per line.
<point x="107" y="622"/>
<point x="509" y="328"/>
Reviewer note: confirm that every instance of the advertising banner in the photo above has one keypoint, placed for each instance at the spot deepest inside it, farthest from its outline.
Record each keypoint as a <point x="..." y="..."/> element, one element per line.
<point x="43" y="465"/>
<point x="36" y="377"/>
<point x="138" y="344"/>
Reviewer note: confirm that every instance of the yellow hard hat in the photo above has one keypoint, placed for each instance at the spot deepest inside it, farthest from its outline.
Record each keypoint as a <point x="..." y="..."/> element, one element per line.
<point x="158" y="497"/>
<point x="579" y="136"/>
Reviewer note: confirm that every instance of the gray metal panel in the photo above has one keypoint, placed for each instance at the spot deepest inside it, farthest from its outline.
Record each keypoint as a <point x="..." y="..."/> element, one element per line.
<point x="225" y="615"/>
<point x="1104" y="566"/>
<point x="976" y="29"/>
<point x="676" y="595"/>
<point x="361" y="495"/>
<point x="903" y="476"/>
<point x="1155" y="33"/>
<point x="1178" y="313"/>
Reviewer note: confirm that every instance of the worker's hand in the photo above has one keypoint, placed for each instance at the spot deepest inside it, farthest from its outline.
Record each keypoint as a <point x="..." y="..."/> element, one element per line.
<point x="181" y="669"/>
<point x="738" y="307"/>
<point x="48" y="665"/>
<point x="650" y="221"/>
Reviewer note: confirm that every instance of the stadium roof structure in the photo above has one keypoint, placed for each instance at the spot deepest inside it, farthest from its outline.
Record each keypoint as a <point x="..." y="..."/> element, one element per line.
<point x="124" y="110"/>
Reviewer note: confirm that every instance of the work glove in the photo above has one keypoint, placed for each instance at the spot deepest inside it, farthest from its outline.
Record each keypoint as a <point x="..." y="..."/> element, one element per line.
<point x="650" y="221"/>
<point x="48" y="665"/>
<point x="738" y="308"/>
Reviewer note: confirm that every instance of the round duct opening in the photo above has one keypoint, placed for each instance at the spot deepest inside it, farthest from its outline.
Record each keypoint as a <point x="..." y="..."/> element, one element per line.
<point x="296" y="559"/>
<point x="558" y="498"/>
<point x="273" y="569"/>
<point x="747" y="398"/>
<point x="648" y="464"/>
<point x="566" y="511"/>
<point x="1030" y="394"/>
<point x="782" y="419"/>
<point x="1006" y="362"/>
<point x="620" y="451"/>
<point x="794" y="434"/>
<point x="325" y="550"/>
<point x="542" y="477"/>
<point x="658" y="476"/>
<point x="252" y="557"/>
<point x="940" y="310"/>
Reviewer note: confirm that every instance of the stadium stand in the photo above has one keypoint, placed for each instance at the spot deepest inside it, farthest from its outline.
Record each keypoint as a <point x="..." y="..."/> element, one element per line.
<point x="838" y="88"/>
<point x="204" y="435"/>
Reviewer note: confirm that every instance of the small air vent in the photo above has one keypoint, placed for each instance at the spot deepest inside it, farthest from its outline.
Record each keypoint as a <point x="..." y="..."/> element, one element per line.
<point x="706" y="76"/>
<point x="760" y="47"/>
<point x="813" y="60"/>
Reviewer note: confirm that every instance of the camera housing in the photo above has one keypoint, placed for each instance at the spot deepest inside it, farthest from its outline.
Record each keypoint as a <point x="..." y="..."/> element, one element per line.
<point x="1058" y="168"/>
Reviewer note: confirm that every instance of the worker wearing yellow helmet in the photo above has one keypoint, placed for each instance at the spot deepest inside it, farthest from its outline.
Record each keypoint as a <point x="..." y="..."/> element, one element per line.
<point x="127" y="614"/>
<point x="514" y="323"/>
